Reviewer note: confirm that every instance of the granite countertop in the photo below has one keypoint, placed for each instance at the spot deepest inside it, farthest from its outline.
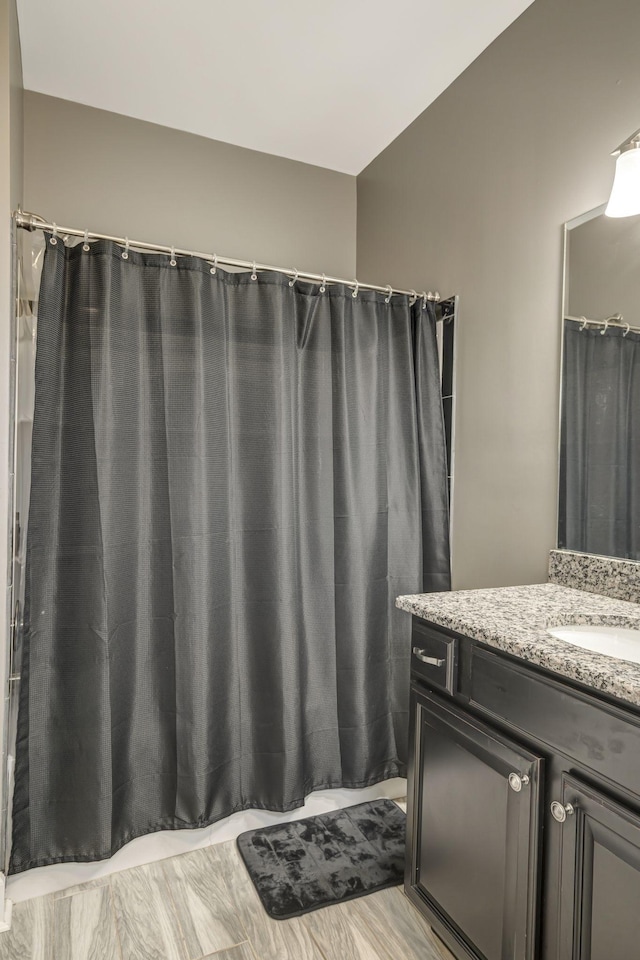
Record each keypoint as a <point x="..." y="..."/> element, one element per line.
<point x="515" y="620"/>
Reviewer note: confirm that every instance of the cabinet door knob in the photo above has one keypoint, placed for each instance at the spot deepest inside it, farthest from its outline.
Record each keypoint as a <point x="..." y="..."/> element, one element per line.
<point x="560" y="812"/>
<point x="517" y="782"/>
<point x="422" y="656"/>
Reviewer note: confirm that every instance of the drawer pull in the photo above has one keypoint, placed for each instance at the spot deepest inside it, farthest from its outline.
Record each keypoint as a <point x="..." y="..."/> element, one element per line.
<point x="560" y="812"/>
<point x="517" y="782"/>
<point x="422" y="656"/>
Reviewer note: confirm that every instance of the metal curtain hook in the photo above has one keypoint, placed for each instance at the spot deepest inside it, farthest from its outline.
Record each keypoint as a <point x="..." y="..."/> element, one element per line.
<point x="85" y="245"/>
<point x="215" y="264"/>
<point x="355" y="292"/>
<point x="627" y="330"/>
<point x="413" y="298"/>
<point x="387" y="299"/>
<point x="584" y="323"/>
<point x="54" y="235"/>
<point x="254" y="275"/>
<point x="294" y="278"/>
<point x="172" y="261"/>
<point x="606" y="324"/>
<point x="125" y="252"/>
<point x="323" y="285"/>
<point x="424" y="300"/>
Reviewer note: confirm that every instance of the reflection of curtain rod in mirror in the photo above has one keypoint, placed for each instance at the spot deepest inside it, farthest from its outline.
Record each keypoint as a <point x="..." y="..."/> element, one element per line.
<point x="616" y="321"/>
<point x="625" y="192"/>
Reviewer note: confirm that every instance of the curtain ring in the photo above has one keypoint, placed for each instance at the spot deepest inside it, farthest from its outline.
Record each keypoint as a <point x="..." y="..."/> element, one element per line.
<point x="627" y="330"/>
<point x="254" y="275"/>
<point x="424" y="300"/>
<point x="173" y="261"/>
<point x="583" y="324"/>
<point x="606" y="324"/>
<point x="293" y="281"/>
<point x="125" y="252"/>
<point x="54" y="236"/>
<point x="413" y="298"/>
<point x="213" y="269"/>
<point x="355" y="292"/>
<point x="85" y="245"/>
<point x="323" y="285"/>
<point x="387" y="299"/>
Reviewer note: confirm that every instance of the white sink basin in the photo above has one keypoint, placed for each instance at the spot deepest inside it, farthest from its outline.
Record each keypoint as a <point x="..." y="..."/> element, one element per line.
<point x="620" y="642"/>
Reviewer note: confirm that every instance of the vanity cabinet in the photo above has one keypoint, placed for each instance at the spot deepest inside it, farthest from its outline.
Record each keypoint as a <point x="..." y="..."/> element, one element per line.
<point x="523" y="815"/>
<point x="599" y="895"/>
<point x="474" y="844"/>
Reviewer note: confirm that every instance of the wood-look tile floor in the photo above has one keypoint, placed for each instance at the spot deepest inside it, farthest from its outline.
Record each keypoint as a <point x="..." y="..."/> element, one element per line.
<point x="203" y="906"/>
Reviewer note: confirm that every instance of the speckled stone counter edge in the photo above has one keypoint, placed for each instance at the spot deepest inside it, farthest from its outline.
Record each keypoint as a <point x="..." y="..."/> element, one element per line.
<point x="607" y="576"/>
<point x="516" y="620"/>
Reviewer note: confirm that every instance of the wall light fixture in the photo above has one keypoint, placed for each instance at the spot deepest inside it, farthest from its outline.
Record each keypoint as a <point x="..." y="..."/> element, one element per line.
<point x="625" y="192"/>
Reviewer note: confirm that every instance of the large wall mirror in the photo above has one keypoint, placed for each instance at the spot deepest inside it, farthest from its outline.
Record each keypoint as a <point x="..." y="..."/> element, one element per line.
<point x="599" y="485"/>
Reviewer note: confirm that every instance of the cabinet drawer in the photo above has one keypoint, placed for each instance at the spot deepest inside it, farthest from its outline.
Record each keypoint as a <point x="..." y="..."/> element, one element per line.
<point x="599" y="736"/>
<point x="433" y="657"/>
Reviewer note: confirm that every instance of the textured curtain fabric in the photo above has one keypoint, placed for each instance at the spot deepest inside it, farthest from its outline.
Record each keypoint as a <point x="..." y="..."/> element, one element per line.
<point x="232" y="480"/>
<point x="600" y="442"/>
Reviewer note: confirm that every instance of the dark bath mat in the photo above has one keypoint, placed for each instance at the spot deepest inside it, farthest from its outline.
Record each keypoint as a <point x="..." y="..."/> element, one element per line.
<point x="301" y="866"/>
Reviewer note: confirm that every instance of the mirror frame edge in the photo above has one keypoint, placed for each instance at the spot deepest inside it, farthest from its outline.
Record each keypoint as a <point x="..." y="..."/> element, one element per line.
<point x="567" y="227"/>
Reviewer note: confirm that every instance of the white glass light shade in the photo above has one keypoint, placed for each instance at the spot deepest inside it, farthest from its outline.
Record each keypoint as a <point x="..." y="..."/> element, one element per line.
<point x="625" y="193"/>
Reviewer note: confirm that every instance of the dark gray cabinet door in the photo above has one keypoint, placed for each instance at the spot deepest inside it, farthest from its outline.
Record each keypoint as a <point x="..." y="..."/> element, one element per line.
<point x="473" y="832"/>
<point x="599" y="876"/>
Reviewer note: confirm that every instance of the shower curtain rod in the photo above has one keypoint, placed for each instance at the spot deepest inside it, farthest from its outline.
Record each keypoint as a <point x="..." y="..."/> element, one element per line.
<point x="31" y="221"/>
<point x="615" y="321"/>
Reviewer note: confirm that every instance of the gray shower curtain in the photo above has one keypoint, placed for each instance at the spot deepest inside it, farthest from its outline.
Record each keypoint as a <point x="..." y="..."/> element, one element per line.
<point x="232" y="480"/>
<point x="600" y="442"/>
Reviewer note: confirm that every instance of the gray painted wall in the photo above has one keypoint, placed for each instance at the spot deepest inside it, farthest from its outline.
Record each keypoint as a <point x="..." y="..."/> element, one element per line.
<point x="116" y="175"/>
<point x="471" y="199"/>
<point x="16" y="95"/>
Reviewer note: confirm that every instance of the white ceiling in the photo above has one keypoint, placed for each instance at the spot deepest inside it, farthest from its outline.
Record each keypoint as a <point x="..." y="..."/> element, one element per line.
<point x="329" y="83"/>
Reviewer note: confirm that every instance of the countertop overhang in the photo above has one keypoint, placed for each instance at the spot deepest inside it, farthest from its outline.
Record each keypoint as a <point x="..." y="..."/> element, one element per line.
<point x="515" y="620"/>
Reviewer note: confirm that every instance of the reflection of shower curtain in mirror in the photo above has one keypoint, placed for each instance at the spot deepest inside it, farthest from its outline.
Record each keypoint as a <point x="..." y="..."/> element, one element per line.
<point x="232" y="481"/>
<point x="599" y="501"/>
